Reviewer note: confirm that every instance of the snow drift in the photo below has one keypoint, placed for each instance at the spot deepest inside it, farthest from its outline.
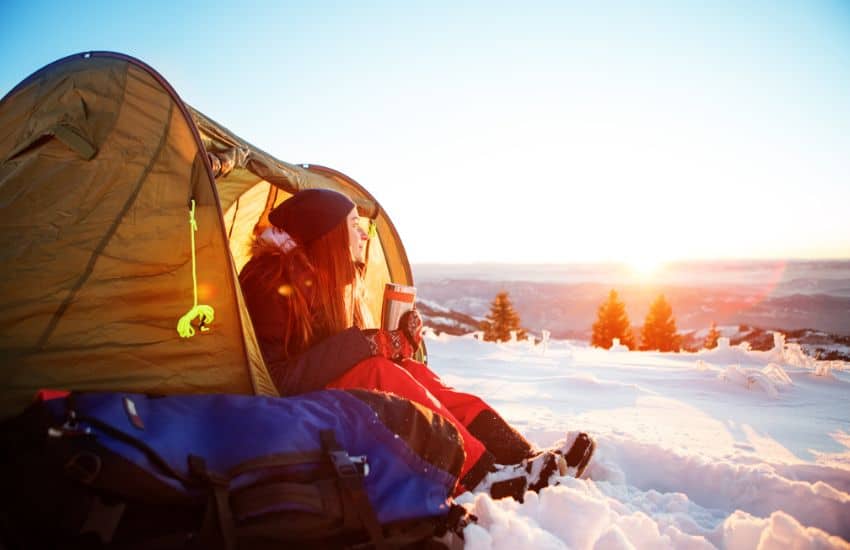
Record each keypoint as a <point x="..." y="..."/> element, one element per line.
<point x="728" y="448"/>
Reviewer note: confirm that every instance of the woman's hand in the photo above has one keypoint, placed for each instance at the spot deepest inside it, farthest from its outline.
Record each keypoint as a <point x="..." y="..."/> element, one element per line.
<point x="410" y="324"/>
<point x="397" y="344"/>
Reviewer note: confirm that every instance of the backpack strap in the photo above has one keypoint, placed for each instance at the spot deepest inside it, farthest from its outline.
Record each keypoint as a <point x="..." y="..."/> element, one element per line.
<point x="103" y="519"/>
<point x="218" y="527"/>
<point x="351" y="482"/>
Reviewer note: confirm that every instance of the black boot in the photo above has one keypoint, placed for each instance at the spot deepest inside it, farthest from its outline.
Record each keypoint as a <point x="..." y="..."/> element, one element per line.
<point x="531" y="474"/>
<point x="535" y="472"/>
<point x="578" y="454"/>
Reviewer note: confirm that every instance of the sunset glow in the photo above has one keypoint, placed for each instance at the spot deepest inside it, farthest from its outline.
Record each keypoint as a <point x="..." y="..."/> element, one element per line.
<point x="646" y="267"/>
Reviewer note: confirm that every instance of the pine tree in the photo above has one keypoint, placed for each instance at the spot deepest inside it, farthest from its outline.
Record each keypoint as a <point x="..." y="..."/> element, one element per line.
<point x="659" y="328"/>
<point x="612" y="322"/>
<point x="501" y="320"/>
<point x="711" y="339"/>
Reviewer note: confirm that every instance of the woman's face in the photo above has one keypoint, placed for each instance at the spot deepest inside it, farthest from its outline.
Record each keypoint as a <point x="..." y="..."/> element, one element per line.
<point x="356" y="237"/>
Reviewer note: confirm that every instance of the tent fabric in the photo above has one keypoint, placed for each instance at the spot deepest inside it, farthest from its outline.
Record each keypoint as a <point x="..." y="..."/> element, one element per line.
<point x="99" y="163"/>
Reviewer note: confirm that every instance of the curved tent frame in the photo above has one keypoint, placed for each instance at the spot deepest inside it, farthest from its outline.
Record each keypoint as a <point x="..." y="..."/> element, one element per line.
<point x="240" y="166"/>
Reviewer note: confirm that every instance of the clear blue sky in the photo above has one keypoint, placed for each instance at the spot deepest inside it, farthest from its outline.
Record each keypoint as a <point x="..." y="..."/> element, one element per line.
<point x="524" y="132"/>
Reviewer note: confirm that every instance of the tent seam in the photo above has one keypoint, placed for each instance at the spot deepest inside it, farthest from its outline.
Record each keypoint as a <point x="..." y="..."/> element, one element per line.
<point x="108" y="133"/>
<point x="60" y="311"/>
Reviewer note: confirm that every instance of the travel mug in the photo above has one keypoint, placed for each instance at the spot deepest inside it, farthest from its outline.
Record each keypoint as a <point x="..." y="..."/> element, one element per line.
<point x="398" y="299"/>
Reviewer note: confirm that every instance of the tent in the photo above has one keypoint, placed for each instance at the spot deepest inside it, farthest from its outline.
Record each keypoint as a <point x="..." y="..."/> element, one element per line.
<point x="100" y="164"/>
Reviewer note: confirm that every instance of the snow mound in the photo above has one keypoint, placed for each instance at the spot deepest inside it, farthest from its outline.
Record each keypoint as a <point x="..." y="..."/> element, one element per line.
<point x="652" y="479"/>
<point x="780" y="531"/>
<point x="771" y="379"/>
<point x="578" y="516"/>
<point x="782" y="353"/>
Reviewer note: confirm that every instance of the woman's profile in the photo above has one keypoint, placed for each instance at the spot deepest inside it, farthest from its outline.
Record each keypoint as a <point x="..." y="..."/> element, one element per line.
<point x="303" y="291"/>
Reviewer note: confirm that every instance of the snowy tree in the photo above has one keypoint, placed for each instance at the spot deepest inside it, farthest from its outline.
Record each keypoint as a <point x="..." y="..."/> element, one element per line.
<point x="659" y="328"/>
<point x="711" y="339"/>
<point x="501" y="320"/>
<point x="612" y="322"/>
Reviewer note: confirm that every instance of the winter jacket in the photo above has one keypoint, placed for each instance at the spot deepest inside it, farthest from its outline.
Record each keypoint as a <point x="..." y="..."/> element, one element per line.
<point x="316" y="367"/>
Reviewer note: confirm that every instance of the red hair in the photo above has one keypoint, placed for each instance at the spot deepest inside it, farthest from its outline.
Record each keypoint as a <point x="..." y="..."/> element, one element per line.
<point x="319" y="282"/>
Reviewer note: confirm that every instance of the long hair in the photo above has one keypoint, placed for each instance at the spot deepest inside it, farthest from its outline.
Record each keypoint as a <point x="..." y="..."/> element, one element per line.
<point x="319" y="283"/>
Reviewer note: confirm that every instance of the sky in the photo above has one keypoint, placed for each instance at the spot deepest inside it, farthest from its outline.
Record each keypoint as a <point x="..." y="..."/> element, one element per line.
<point x="531" y="132"/>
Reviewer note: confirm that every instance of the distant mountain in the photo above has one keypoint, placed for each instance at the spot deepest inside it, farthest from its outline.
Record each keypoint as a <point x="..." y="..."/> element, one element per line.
<point x="442" y="319"/>
<point x="819" y="323"/>
<point x="568" y="310"/>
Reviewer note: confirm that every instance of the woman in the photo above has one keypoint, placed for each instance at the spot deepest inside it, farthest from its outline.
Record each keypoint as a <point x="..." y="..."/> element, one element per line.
<point x="302" y="287"/>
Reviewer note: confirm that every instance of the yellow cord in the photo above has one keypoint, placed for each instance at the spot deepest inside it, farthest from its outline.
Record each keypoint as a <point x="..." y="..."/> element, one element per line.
<point x="206" y="314"/>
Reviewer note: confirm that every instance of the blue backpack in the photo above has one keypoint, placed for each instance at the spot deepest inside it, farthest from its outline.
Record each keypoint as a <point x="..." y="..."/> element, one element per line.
<point x="331" y="468"/>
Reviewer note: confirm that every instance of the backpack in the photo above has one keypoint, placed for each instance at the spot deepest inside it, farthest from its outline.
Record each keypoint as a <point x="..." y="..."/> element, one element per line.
<point x="333" y="468"/>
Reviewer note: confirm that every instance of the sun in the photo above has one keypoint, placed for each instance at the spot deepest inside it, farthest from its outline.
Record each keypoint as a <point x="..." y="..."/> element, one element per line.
<point x="645" y="267"/>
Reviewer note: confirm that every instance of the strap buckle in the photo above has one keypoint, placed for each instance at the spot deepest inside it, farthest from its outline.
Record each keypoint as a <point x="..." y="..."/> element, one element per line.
<point x="345" y="465"/>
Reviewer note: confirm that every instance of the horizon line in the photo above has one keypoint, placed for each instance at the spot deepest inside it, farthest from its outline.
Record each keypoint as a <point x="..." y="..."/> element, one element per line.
<point x="627" y="263"/>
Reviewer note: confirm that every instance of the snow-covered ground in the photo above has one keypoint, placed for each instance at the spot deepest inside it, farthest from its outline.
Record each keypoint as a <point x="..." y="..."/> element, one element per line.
<point x="727" y="448"/>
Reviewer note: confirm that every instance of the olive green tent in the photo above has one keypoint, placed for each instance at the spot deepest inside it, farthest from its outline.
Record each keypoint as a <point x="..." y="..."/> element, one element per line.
<point x="100" y="163"/>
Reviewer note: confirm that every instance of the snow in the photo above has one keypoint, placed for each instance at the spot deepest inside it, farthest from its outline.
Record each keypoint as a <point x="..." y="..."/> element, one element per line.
<point x="725" y="448"/>
<point x="433" y="305"/>
<point x="445" y="321"/>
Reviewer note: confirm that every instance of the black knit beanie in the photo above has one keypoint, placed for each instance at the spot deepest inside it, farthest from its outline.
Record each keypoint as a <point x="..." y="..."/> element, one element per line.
<point x="311" y="213"/>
